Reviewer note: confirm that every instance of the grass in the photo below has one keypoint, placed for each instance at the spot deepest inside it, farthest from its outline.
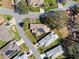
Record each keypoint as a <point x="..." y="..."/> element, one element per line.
<point x="50" y="4"/>
<point x="1" y="57"/>
<point x="62" y="33"/>
<point x="42" y="49"/>
<point x="34" y="9"/>
<point x="15" y="33"/>
<point x="61" y="57"/>
<point x="24" y="48"/>
<point x="2" y="43"/>
<point x="31" y="57"/>
<point x="30" y="36"/>
<point x="6" y="17"/>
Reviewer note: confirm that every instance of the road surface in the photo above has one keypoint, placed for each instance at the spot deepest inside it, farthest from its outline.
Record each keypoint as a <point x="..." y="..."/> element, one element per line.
<point x="19" y="18"/>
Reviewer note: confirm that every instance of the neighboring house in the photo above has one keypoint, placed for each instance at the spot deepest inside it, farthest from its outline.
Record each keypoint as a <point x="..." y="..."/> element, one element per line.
<point x="10" y="49"/>
<point x="35" y="2"/>
<point x="48" y="39"/>
<point x="24" y="56"/>
<point x="39" y="29"/>
<point x="55" y="52"/>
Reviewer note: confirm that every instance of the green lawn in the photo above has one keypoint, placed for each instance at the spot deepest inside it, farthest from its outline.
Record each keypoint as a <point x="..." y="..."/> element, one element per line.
<point x="27" y="31"/>
<point x="31" y="57"/>
<point x="1" y="57"/>
<point x="24" y="48"/>
<point x="50" y="4"/>
<point x="2" y="43"/>
<point x="6" y="17"/>
<point x="34" y="9"/>
<point x="42" y="49"/>
<point x="15" y="33"/>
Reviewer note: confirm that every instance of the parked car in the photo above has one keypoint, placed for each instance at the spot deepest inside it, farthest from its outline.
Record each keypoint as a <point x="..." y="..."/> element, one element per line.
<point x="21" y="24"/>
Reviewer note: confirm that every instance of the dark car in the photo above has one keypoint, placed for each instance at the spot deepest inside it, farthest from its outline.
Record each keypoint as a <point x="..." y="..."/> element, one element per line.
<point x="28" y="53"/>
<point x="21" y="24"/>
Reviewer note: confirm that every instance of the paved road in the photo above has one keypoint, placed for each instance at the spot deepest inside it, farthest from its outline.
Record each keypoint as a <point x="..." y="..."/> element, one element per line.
<point x="20" y="30"/>
<point x="19" y="18"/>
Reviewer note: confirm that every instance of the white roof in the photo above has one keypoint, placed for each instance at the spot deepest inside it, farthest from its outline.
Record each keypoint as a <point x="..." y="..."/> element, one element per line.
<point x="51" y="37"/>
<point x="55" y="52"/>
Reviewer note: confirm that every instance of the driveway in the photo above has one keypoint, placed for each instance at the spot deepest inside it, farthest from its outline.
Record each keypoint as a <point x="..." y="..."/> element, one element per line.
<point x="19" y="18"/>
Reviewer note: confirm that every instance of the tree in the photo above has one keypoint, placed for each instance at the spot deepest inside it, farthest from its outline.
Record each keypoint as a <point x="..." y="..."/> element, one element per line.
<point x="22" y="7"/>
<point x="57" y="20"/>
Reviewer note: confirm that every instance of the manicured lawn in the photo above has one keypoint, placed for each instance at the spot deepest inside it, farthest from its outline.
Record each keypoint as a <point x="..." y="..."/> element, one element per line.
<point x="15" y="33"/>
<point x="6" y="17"/>
<point x="2" y="43"/>
<point x="1" y="57"/>
<point x="42" y="49"/>
<point x="31" y="57"/>
<point x="24" y="48"/>
<point x="27" y="31"/>
<point x="34" y="9"/>
<point x="50" y="4"/>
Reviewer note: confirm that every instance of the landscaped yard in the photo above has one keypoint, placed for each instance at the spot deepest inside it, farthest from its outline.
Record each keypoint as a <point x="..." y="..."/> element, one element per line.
<point x="24" y="48"/>
<point x="1" y="57"/>
<point x="42" y="49"/>
<point x="27" y="30"/>
<point x="34" y="9"/>
<point x="62" y="33"/>
<point x="50" y="4"/>
<point x="14" y="31"/>
<point x="6" y="17"/>
<point x="2" y="43"/>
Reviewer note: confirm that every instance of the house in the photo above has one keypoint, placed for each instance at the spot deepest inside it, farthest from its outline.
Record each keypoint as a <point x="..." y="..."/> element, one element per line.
<point x="35" y="2"/>
<point x="48" y="39"/>
<point x="55" y="52"/>
<point x="39" y="29"/>
<point x="10" y="49"/>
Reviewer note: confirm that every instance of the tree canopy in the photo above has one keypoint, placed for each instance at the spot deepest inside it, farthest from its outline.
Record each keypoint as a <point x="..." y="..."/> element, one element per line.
<point x="57" y="20"/>
<point x="22" y="7"/>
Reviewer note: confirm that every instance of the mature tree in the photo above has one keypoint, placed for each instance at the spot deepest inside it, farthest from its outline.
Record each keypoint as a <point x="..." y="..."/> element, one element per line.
<point x="22" y="7"/>
<point x="57" y="20"/>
